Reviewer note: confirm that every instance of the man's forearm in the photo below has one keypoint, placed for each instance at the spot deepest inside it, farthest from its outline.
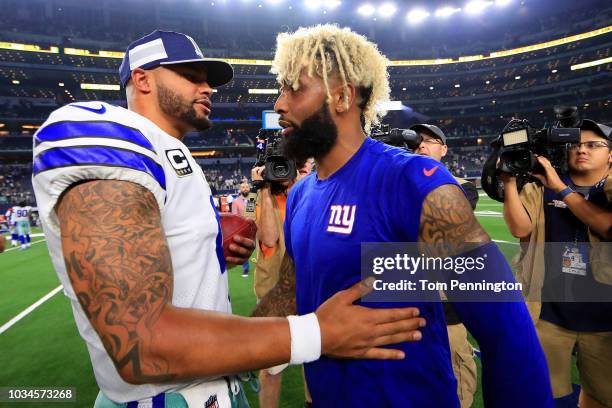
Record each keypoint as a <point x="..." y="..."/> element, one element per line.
<point x="515" y="215"/>
<point x="280" y="300"/>
<point x="596" y="218"/>
<point x="121" y="271"/>
<point x="268" y="232"/>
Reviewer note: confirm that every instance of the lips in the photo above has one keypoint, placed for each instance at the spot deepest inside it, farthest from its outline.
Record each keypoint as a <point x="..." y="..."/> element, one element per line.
<point x="205" y="103"/>
<point x="287" y="127"/>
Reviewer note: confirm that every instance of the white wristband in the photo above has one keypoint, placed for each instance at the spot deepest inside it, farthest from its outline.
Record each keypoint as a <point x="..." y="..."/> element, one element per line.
<point x="305" y="338"/>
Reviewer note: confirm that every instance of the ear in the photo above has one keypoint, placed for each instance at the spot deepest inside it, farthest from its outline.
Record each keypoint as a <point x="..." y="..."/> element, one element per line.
<point x="444" y="150"/>
<point x="340" y="103"/>
<point x="142" y="80"/>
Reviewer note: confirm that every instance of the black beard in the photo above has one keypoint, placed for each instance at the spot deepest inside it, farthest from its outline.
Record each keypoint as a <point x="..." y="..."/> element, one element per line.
<point x="245" y="194"/>
<point x="314" y="138"/>
<point x="172" y="105"/>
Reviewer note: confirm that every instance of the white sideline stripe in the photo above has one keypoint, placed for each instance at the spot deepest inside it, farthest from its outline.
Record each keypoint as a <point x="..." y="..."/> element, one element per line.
<point x="29" y="310"/>
<point x="17" y="247"/>
<point x="505" y="242"/>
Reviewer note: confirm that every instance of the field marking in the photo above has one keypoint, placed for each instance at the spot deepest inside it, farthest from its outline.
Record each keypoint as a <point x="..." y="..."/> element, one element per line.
<point x="29" y="310"/>
<point x="505" y="242"/>
<point x="18" y="247"/>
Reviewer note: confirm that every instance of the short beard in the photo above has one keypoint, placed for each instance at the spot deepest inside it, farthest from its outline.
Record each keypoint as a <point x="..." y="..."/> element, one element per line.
<point x="172" y="105"/>
<point x="314" y="138"/>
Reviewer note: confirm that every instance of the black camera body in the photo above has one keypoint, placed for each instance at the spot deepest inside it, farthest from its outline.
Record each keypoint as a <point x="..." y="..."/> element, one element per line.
<point x="515" y="149"/>
<point x="521" y="142"/>
<point x="403" y="138"/>
<point x="278" y="168"/>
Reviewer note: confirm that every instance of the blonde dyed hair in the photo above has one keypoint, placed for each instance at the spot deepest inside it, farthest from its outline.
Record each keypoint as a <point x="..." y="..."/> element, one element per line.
<point x="328" y="50"/>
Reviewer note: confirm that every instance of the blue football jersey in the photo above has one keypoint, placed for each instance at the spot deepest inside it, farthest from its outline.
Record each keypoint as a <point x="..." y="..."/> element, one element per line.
<point x="375" y="197"/>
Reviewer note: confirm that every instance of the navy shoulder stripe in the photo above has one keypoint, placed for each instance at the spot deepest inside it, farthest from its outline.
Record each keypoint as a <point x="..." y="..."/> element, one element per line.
<point x="98" y="156"/>
<point x="101" y="129"/>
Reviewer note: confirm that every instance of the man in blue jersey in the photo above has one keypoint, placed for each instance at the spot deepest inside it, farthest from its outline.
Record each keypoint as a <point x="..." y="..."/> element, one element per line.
<point x="331" y="81"/>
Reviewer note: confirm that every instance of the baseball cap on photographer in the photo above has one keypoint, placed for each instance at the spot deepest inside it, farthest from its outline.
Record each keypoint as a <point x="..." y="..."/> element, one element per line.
<point x="599" y="128"/>
<point x="433" y="129"/>
<point x="167" y="48"/>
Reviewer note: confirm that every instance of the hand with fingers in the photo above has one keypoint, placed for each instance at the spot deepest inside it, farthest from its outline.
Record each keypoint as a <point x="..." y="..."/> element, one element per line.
<point x="240" y="250"/>
<point x="353" y="331"/>
<point x="550" y="179"/>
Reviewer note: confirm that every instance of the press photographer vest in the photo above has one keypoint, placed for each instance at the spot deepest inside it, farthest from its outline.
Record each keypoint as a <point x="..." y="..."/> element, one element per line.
<point x="568" y="268"/>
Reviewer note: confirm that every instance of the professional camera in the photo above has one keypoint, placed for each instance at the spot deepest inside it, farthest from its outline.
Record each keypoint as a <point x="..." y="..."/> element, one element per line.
<point x="521" y="142"/>
<point x="515" y="149"/>
<point x="278" y="168"/>
<point x="403" y="138"/>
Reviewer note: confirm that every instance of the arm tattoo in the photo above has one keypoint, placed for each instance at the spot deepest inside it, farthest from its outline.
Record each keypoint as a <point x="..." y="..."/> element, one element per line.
<point x="119" y="264"/>
<point x="280" y="300"/>
<point x="448" y="226"/>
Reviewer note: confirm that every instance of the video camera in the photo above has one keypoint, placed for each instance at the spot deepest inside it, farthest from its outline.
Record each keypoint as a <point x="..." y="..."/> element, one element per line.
<point x="403" y="138"/>
<point x="269" y="148"/>
<point x="519" y="142"/>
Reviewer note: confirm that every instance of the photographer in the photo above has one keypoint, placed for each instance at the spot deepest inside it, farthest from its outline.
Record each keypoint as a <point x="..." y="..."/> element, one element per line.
<point x="433" y="144"/>
<point x="269" y="216"/>
<point x="574" y="209"/>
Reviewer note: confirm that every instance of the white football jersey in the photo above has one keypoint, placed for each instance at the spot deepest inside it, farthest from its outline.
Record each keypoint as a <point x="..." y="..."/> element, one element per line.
<point x="20" y="214"/>
<point x="94" y="140"/>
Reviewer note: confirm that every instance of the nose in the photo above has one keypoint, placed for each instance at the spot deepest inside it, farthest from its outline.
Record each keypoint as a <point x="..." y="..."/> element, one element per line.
<point x="280" y="106"/>
<point x="582" y="149"/>
<point x="205" y="89"/>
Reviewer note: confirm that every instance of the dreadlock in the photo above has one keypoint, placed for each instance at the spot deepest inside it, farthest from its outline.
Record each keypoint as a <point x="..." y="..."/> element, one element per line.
<point x="325" y="50"/>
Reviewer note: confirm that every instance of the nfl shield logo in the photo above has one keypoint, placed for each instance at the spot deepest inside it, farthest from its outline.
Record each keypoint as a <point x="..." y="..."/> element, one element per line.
<point x="212" y="402"/>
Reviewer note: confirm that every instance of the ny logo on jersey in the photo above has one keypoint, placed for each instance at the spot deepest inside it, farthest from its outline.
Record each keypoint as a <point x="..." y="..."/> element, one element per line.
<point x="179" y="162"/>
<point x="342" y="219"/>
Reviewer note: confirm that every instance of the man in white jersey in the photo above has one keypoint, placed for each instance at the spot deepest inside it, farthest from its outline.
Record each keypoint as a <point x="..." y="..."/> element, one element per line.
<point x="21" y="217"/>
<point x="12" y="227"/>
<point x="135" y="239"/>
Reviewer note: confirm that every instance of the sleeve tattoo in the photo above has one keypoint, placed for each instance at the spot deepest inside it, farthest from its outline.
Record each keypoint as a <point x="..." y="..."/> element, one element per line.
<point x="280" y="300"/>
<point x="448" y="226"/>
<point x="119" y="264"/>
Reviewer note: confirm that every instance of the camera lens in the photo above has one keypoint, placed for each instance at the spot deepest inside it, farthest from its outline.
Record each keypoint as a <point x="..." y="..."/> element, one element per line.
<point x="280" y="170"/>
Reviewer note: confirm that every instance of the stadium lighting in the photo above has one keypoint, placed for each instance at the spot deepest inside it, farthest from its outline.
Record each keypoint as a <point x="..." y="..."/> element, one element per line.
<point x="554" y="71"/>
<point x="431" y="88"/>
<point x="15" y="82"/>
<point x="274" y="2"/>
<point x="2" y="125"/>
<point x="502" y="3"/>
<point x="403" y="89"/>
<point x="457" y="86"/>
<point x="260" y="91"/>
<point x="487" y="82"/>
<point x="366" y="10"/>
<point x="444" y="12"/>
<point x="477" y="6"/>
<point x="100" y="87"/>
<point x="60" y="84"/>
<point x="417" y="15"/>
<point x="389" y="106"/>
<point x="333" y="4"/>
<point x="387" y="10"/>
<point x="313" y="4"/>
<point x="517" y="77"/>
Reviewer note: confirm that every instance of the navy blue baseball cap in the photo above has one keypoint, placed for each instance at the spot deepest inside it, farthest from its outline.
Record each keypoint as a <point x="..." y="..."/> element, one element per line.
<point x="167" y="48"/>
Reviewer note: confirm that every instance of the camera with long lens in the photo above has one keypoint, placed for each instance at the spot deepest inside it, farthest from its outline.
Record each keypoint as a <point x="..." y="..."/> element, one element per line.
<point x="403" y="138"/>
<point x="278" y="168"/>
<point x="515" y="150"/>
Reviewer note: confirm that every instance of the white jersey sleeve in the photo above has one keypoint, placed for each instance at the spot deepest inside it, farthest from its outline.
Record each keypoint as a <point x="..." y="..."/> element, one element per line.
<point x="92" y="140"/>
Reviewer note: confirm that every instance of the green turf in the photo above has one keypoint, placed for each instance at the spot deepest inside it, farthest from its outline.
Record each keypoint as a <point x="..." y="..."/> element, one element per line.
<point x="44" y="349"/>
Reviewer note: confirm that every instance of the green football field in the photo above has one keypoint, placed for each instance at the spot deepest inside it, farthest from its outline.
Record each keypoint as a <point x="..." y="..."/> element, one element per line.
<point x="43" y="349"/>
